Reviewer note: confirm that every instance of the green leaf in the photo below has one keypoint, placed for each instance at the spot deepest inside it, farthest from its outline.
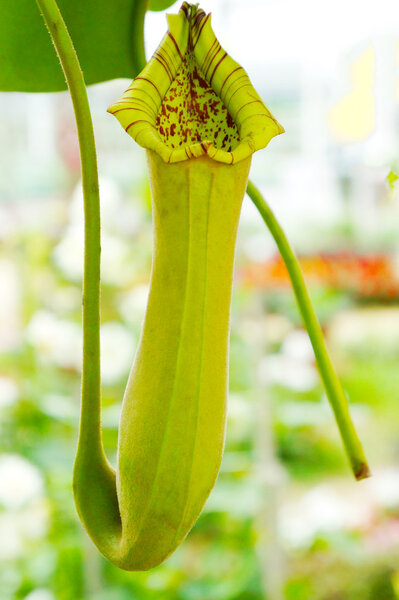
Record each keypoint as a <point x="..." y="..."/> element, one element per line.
<point x="108" y="37"/>
<point x="160" y="4"/>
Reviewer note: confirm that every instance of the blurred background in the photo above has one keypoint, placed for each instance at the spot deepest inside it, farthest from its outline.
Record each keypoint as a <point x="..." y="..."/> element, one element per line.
<point x="286" y="519"/>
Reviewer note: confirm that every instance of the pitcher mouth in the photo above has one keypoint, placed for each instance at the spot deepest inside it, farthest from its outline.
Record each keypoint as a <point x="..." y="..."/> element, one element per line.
<point x="193" y="99"/>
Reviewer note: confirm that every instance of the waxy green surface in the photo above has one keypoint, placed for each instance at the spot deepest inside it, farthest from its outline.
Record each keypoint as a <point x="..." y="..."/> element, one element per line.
<point x="172" y="424"/>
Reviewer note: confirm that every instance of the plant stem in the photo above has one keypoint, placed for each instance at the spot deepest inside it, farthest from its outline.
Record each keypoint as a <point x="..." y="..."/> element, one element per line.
<point x="332" y="385"/>
<point x="91" y="379"/>
<point x="138" y="18"/>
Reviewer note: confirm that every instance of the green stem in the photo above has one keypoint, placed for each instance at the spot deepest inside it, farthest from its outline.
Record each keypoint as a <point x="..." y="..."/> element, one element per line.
<point x="91" y="380"/>
<point x="334" y="390"/>
<point x="139" y="11"/>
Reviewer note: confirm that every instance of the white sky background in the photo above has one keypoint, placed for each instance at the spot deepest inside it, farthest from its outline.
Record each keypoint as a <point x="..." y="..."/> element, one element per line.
<point x="267" y="32"/>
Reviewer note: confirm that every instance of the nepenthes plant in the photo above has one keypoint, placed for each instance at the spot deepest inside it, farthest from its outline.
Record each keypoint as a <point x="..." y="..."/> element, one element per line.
<point x="196" y="113"/>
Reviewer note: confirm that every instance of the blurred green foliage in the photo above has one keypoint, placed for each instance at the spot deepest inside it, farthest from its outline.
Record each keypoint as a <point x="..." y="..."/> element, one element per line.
<point x="221" y="558"/>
